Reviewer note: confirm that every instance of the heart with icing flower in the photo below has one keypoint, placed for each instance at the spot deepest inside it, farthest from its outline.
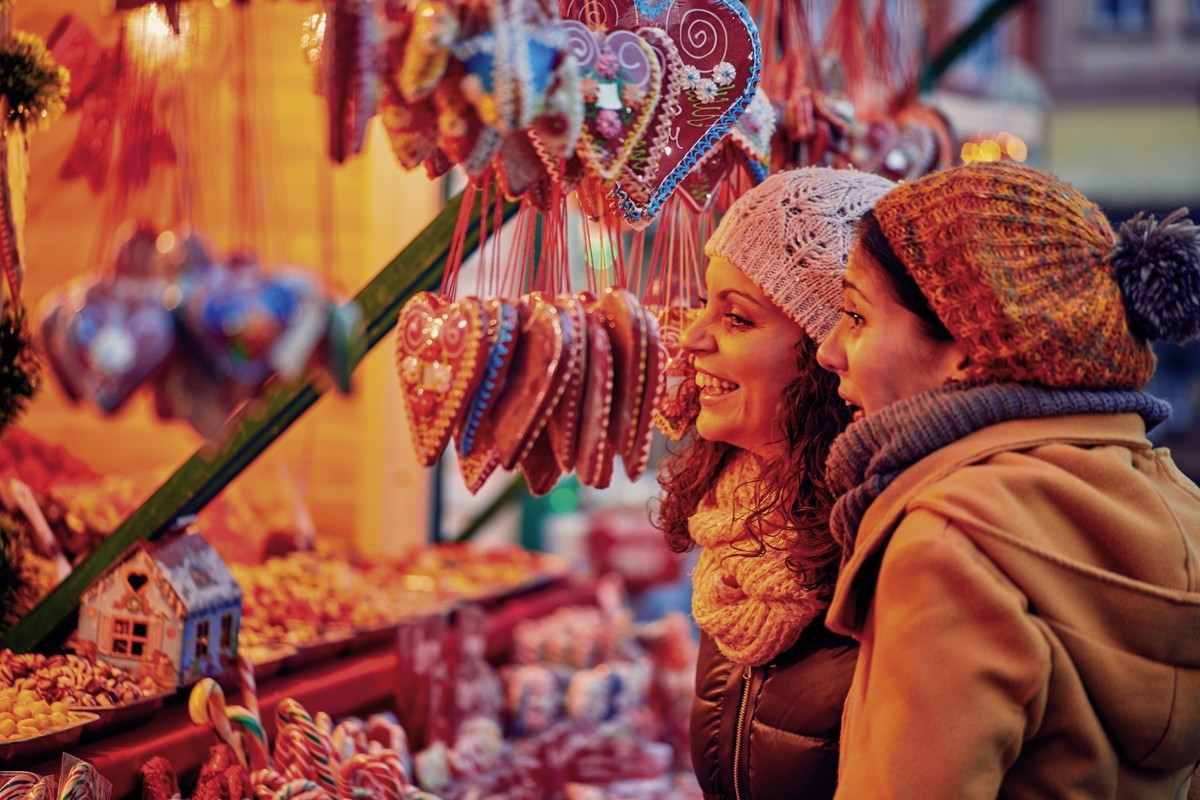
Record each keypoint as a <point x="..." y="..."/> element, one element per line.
<point x="439" y="357"/>
<point x="620" y="78"/>
<point x="718" y="45"/>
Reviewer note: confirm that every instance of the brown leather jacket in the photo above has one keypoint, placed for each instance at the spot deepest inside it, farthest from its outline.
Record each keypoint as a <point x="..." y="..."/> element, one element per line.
<point x="760" y="733"/>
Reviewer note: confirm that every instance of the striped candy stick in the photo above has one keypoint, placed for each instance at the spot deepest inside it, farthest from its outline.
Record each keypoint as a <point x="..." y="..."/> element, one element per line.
<point x="18" y="786"/>
<point x="80" y="783"/>
<point x="301" y="789"/>
<point x="319" y="751"/>
<point x="249" y="685"/>
<point x="206" y="703"/>
<point x="253" y="737"/>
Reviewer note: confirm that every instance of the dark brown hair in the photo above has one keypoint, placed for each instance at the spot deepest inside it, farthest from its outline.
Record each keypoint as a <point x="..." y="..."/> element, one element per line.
<point x="793" y="513"/>
<point x="904" y="288"/>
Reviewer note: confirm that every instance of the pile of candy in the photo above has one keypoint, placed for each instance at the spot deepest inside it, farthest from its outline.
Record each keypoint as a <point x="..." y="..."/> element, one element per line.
<point x="72" y="680"/>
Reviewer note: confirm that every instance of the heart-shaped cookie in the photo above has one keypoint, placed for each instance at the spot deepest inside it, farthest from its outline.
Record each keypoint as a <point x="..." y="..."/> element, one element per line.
<point x="563" y="428"/>
<point x="679" y="404"/>
<point x="718" y="45"/>
<point x="594" y="463"/>
<point x="534" y="383"/>
<point x="117" y="336"/>
<point x="479" y="465"/>
<point x="627" y="332"/>
<point x="636" y="450"/>
<point x="640" y="169"/>
<point x="540" y="467"/>
<point x="503" y="320"/>
<point x="440" y="360"/>
<point x="621" y="80"/>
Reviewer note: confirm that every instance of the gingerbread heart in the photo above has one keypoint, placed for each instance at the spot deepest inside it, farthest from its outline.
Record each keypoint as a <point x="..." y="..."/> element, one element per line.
<point x="627" y="331"/>
<point x="594" y="464"/>
<point x="621" y="80"/>
<point x="718" y="45"/>
<point x="245" y="325"/>
<point x="636" y="451"/>
<point x="679" y="404"/>
<point x="440" y="360"/>
<point x="503" y="320"/>
<point x="563" y="427"/>
<point x="640" y="169"/>
<point x="115" y="337"/>
<point x="700" y="189"/>
<point x="479" y="465"/>
<point x="535" y="381"/>
<point x="540" y="467"/>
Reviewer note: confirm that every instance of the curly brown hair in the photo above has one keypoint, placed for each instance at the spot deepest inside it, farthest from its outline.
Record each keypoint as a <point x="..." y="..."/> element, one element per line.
<point x="793" y="487"/>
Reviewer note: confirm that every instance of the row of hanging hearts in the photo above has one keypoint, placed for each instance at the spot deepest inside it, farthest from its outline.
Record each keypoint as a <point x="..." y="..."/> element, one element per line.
<point x="629" y="96"/>
<point x="204" y="334"/>
<point x="544" y="384"/>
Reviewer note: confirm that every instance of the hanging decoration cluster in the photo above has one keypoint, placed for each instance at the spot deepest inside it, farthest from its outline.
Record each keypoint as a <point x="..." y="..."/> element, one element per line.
<point x="204" y="333"/>
<point x="542" y="384"/>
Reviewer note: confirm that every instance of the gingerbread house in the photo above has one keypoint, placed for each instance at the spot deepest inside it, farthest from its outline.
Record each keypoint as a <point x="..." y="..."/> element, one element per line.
<point x="170" y="609"/>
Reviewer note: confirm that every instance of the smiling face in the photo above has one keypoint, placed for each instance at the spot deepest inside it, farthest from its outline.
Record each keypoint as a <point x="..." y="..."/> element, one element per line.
<point x="743" y="347"/>
<point x="880" y="350"/>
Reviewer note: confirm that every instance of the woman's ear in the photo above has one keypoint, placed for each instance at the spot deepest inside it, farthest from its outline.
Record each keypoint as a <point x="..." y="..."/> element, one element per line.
<point x="959" y="363"/>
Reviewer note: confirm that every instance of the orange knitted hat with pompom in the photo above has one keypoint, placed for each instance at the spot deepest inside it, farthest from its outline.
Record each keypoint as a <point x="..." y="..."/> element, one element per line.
<point x="1017" y="266"/>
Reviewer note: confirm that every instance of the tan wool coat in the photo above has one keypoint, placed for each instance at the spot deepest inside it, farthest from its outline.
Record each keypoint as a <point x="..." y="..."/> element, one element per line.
<point x="1028" y="605"/>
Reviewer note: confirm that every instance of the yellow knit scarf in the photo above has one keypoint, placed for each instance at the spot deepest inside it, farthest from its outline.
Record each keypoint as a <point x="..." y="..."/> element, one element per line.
<point x="751" y="605"/>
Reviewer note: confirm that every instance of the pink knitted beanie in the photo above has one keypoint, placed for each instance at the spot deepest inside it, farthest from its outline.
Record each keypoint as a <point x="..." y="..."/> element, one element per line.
<point x="791" y="235"/>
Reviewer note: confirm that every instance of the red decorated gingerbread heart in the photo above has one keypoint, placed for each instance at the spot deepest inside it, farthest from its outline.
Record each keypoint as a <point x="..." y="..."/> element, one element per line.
<point x="594" y="461"/>
<point x="502" y="323"/>
<point x="563" y="428"/>
<point x="440" y="362"/>
<point x="636" y="450"/>
<point x="718" y="46"/>
<point x="539" y="466"/>
<point x="630" y="349"/>
<point x="534" y="383"/>
<point x="620" y="78"/>
<point x="679" y="404"/>
<point x="483" y="459"/>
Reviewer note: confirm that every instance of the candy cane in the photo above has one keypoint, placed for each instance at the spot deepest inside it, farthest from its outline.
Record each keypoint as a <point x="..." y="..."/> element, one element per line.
<point x="254" y="738"/>
<point x="206" y="703"/>
<point x="80" y="783"/>
<point x="266" y="783"/>
<point x="249" y="686"/>
<point x="291" y="752"/>
<point x="319" y="750"/>
<point x="302" y="788"/>
<point x="349" y="737"/>
<point x="18" y="786"/>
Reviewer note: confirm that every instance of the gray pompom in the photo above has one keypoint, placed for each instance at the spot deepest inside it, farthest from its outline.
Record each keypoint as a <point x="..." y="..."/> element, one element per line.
<point x="1157" y="266"/>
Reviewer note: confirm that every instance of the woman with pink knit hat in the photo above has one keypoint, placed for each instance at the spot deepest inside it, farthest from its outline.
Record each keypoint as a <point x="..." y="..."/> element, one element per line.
<point x="750" y="489"/>
<point x="1023" y="570"/>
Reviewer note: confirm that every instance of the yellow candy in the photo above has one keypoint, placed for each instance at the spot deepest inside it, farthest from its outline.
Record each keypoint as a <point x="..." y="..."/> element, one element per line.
<point x="8" y="726"/>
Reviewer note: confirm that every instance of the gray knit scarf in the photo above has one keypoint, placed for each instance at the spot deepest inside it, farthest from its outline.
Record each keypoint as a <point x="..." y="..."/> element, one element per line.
<point x="872" y="452"/>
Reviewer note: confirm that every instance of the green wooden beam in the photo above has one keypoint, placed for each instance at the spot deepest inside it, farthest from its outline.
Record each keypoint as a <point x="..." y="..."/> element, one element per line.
<point x="961" y="43"/>
<point x="418" y="267"/>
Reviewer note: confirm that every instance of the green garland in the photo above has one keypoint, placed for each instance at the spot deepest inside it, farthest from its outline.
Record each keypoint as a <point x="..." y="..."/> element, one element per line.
<point x="10" y="570"/>
<point x="32" y="82"/>
<point x="20" y="365"/>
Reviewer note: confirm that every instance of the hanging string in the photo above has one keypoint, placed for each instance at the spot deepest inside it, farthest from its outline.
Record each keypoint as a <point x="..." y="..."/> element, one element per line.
<point x="454" y="256"/>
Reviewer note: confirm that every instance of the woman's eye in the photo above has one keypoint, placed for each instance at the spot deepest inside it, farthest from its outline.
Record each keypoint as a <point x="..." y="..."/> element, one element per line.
<point x="737" y="321"/>
<point x="855" y="319"/>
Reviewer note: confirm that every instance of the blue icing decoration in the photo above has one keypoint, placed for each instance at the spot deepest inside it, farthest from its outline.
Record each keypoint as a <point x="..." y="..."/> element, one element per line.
<point x="715" y="134"/>
<point x="484" y="393"/>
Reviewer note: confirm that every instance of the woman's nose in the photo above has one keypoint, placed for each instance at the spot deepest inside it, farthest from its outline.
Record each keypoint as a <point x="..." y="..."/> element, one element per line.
<point x="830" y="355"/>
<point x="695" y="337"/>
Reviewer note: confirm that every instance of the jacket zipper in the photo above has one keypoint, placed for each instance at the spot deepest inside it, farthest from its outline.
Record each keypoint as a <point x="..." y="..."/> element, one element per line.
<point x="737" y="736"/>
